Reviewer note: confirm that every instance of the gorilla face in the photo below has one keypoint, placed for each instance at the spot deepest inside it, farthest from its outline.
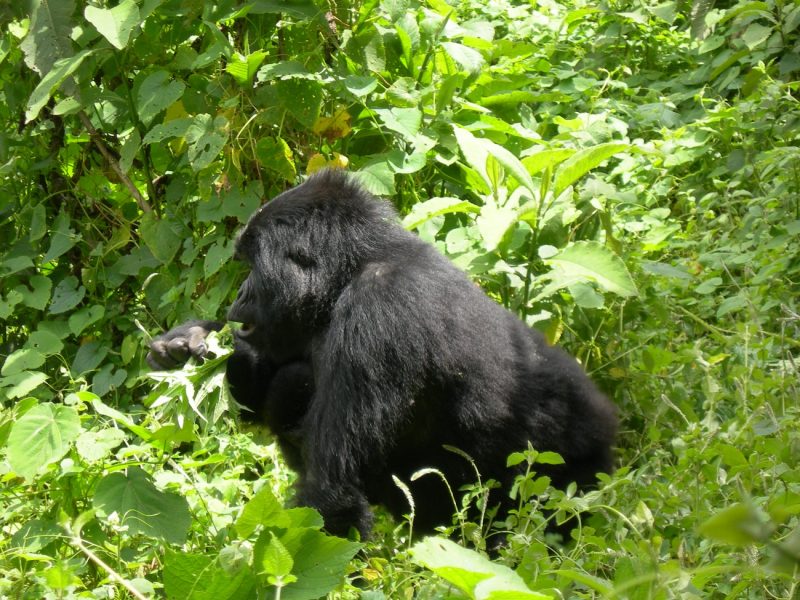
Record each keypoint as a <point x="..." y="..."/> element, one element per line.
<point x="302" y="249"/>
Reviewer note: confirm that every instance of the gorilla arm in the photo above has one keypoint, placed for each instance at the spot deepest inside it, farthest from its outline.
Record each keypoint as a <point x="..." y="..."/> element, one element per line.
<point x="365" y="370"/>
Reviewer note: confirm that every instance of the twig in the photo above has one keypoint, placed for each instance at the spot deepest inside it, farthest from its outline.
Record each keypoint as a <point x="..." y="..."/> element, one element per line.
<point x="75" y="540"/>
<point x="112" y="161"/>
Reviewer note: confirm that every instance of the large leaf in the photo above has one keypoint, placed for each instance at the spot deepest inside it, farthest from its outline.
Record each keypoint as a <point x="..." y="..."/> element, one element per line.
<point x="319" y="561"/>
<point x="62" y="69"/>
<point x="156" y="93"/>
<point x="244" y="68"/>
<point x="302" y="98"/>
<point x="584" y="161"/>
<point x="262" y="509"/>
<point x="162" y="236"/>
<point x="206" y="138"/>
<point x="41" y="436"/>
<point x="48" y="38"/>
<point x="475" y="575"/>
<point x="114" y="24"/>
<point x="62" y="238"/>
<point x="478" y="151"/>
<point x="200" y="577"/>
<point x="467" y="58"/>
<point x="425" y="211"/>
<point x="67" y="295"/>
<point x="405" y="121"/>
<point x="142" y="507"/>
<point x="591" y="261"/>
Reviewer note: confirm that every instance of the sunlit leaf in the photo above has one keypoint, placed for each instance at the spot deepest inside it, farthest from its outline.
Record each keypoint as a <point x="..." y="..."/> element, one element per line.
<point x="142" y="507"/>
<point x="41" y="436"/>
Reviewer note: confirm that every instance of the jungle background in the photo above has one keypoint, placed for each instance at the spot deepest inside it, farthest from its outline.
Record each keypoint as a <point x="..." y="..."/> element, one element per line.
<point x="623" y="174"/>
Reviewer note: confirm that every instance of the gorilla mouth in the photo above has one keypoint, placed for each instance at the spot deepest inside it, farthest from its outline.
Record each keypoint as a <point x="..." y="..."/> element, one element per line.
<point x="246" y="329"/>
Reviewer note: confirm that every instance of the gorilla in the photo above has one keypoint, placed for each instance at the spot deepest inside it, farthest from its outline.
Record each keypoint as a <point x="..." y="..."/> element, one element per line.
<point x="366" y="351"/>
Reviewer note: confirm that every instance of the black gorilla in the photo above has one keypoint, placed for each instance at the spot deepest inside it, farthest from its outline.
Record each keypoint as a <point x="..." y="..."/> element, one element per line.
<point x="365" y="351"/>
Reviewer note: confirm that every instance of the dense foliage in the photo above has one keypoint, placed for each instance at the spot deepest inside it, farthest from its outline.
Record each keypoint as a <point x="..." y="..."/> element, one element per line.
<point x="625" y="175"/>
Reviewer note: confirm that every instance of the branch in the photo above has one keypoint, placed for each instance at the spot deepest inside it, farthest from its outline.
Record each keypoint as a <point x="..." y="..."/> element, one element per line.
<point x="98" y="141"/>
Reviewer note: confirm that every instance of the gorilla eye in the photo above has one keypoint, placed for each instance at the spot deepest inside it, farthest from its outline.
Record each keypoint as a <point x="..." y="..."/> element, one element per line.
<point x="300" y="258"/>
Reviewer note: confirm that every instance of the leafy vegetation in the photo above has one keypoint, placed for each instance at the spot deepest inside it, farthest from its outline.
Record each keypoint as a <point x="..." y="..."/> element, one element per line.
<point x="624" y="175"/>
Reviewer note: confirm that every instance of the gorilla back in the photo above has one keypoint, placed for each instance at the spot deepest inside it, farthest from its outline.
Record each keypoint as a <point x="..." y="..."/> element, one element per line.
<point x="366" y="351"/>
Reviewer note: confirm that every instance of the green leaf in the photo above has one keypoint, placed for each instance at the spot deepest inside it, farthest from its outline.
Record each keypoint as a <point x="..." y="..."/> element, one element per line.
<point x="130" y="148"/>
<point x="425" y="211"/>
<point x="591" y="261"/>
<point x="299" y="9"/>
<point x="89" y="357"/>
<point x="755" y="35"/>
<point x="360" y="85"/>
<point x="36" y="534"/>
<point x="67" y="295"/>
<point x="738" y="525"/>
<point x="156" y="93"/>
<point x="275" y="559"/>
<point x="21" y="384"/>
<point x="584" y="161"/>
<point x="170" y="129"/>
<point x="80" y="320"/>
<point x="41" y="436"/>
<point x="114" y="24"/>
<point x="302" y="98"/>
<point x="206" y="138"/>
<point x="62" y="69"/>
<point x="48" y="38"/>
<point x="467" y="570"/>
<point x="493" y="224"/>
<point x="94" y="446"/>
<point x="276" y="155"/>
<point x="467" y="58"/>
<point x="549" y="458"/>
<point x="39" y="295"/>
<point x="21" y="360"/>
<point x="262" y="509"/>
<point x="546" y="159"/>
<point x="62" y="239"/>
<point x="477" y="152"/>
<point x="320" y="561"/>
<point x="142" y="507"/>
<point x="377" y="177"/>
<point x="45" y="342"/>
<point x="405" y="121"/>
<point x="244" y="68"/>
<point x="162" y="236"/>
<point x="200" y="577"/>
<point x="217" y="256"/>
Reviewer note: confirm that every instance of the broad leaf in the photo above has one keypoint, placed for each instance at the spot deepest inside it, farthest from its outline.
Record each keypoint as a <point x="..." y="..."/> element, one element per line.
<point x="67" y="295"/>
<point x="473" y="574"/>
<point x="62" y="69"/>
<point x="425" y="211"/>
<point x="114" y="24"/>
<point x="142" y="507"/>
<point x="200" y="577"/>
<point x="591" y="261"/>
<point x="156" y="93"/>
<point x="584" y="161"/>
<point x="41" y="436"/>
<point x="48" y="38"/>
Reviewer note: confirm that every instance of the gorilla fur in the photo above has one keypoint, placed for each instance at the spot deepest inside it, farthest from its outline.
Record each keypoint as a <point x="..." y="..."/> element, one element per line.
<point x="365" y="351"/>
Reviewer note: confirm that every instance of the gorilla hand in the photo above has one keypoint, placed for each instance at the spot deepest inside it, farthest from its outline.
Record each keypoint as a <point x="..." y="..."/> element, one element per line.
<point x="176" y="346"/>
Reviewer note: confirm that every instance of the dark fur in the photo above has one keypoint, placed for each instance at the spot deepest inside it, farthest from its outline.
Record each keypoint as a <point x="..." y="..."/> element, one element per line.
<point x="367" y="350"/>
